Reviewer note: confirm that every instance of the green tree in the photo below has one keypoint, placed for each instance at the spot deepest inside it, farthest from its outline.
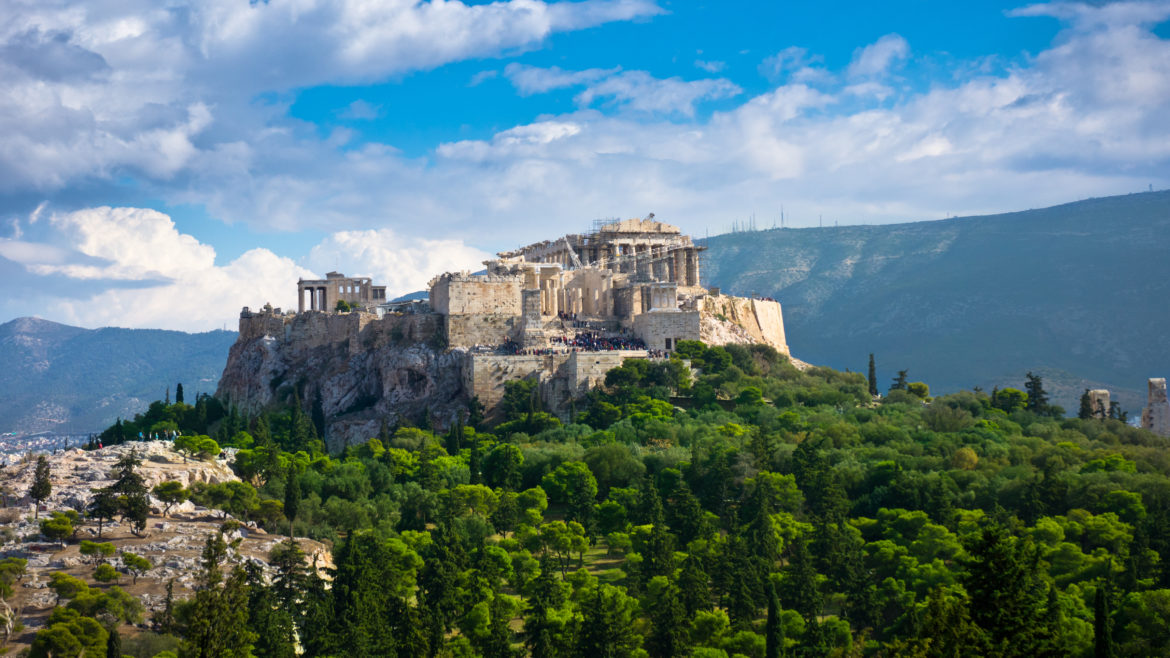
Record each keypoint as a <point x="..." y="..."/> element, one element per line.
<point x="872" y="377"/>
<point x="217" y="616"/>
<point x="98" y="552"/>
<point x="668" y="635"/>
<point x="798" y="584"/>
<point x="606" y="626"/>
<point x="42" y="485"/>
<point x="773" y="630"/>
<point x="105" y="573"/>
<point x="136" y="564"/>
<point x="170" y="493"/>
<point x="1037" y="401"/>
<point x="114" y="642"/>
<point x="1086" y="410"/>
<point x="179" y="393"/>
<point x="292" y="498"/>
<point x="899" y="381"/>
<point x="57" y="527"/>
<point x="1008" y="592"/>
<point x="573" y="484"/>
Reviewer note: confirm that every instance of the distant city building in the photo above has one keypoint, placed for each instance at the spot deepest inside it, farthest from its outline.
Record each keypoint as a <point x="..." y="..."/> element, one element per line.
<point x="1156" y="415"/>
<point x="1099" y="399"/>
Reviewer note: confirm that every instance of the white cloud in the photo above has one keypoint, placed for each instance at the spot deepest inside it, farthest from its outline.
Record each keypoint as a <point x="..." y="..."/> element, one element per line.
<point x="879" y="57"/>
<point x="710" y="66"/>
<point x="143" y="272"/>
<point x="530" y="80"/>
<point x="632" y="90"/>
<point x="119" y="88"/>
<point x="360" y="110"/>
<point x="403" y="265"/>
<point x="795" y="64"/>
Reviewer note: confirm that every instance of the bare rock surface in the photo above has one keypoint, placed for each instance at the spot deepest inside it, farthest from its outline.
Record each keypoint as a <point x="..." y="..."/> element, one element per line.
<point x="173" y="544"/>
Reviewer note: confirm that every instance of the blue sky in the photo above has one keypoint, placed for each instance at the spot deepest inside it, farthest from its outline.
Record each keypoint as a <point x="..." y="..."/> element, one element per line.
<point x="163" y="166"/>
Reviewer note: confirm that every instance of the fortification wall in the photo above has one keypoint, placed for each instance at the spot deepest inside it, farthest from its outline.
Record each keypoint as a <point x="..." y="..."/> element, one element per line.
<point x="484" y="375"/>
<point x="663" y="329"/>
<point x="469" y="295"/>
<point x="472" y="330"/>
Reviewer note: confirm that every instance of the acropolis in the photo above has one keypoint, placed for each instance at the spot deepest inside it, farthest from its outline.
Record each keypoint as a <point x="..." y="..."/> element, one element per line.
<point x="562" y="312"/>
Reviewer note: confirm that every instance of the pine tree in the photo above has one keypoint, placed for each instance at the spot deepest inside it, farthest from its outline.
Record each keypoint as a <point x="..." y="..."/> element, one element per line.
<point x="668" y="636"/>
<point x="542" y="635"/>
<point x="799" y="586"/>
<point x="694" y="590"/>
<point x="475" y="462"/>
<point x="1008" y="593"/>
<point x="899" y="381"/>
<point x="1086" y="410"/>
<point x="42" y="485"/>
<point x="217" y="625"/>
<point x="179" y="393"/>
<point x="1037" y="401"/>
<point x="873" y="389"/>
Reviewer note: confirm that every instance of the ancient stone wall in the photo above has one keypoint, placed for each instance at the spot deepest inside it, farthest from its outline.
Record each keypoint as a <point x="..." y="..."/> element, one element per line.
<point x="662" y="330"/>
<point x="456" y="294"/>
<point x="1156" y="415"/>
<point x="472" y="330"/>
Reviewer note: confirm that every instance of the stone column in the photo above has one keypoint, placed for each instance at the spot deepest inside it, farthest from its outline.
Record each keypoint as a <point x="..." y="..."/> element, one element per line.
<point x="300" y="298"/>
<point x="692" y="267"/>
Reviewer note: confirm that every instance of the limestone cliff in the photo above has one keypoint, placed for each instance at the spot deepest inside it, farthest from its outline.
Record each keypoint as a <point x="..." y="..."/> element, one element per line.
<point x="361" y="368"/>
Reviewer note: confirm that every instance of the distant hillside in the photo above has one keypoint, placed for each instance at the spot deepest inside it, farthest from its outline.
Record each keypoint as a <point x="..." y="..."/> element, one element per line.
<point x="1079" y="293"/>
<point x="67" y="379"/>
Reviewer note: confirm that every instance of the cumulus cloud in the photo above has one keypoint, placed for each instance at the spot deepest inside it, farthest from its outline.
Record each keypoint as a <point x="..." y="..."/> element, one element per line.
<point x="403" y="265"/>
<point x="174" y="280"/>
<point x="879" y="57"/>
<point x="132" y="88"/>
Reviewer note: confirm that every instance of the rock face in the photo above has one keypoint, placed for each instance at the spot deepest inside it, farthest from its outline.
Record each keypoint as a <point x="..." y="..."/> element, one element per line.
<point x="361" y="369"/>
<point x="1156" y="415"/>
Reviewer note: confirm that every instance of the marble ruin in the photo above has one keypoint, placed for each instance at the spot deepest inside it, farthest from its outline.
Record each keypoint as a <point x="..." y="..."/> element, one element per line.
<point x="562" y="312"/>
<point x="1156" y="415"/>
<point x="324" y="293"/>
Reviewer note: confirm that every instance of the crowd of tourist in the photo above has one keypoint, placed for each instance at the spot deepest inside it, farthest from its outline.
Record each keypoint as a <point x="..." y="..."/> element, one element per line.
<point x="581" y="342"/>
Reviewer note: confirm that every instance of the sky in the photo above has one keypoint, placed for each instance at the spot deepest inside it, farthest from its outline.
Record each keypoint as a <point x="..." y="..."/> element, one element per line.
<point x="163" y="164"/>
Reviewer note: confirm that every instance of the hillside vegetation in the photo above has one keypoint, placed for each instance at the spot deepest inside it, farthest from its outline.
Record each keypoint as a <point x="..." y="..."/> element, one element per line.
<point x="1076" y="292"/>
<point x="68" y="379"/>
<point x="750" y="510"/>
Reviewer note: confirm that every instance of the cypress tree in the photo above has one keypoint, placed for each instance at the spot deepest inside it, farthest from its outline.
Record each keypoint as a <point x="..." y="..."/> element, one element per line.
<point x="1102" y="625"/>
<point x="799" y="586"/>
<point x="1086" y="410"/>
<point x="873" y="389"/>
<point x="773" y="631"/>
<point x="42" y="485"/>
<point x="113" y="644"/>
<point x="1037" y="398"/>
<point x="179" y="393"/>
<point x="292" y="498"/>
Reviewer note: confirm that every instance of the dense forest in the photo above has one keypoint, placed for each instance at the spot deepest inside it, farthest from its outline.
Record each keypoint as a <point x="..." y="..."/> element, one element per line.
<point x="721" y="503"/>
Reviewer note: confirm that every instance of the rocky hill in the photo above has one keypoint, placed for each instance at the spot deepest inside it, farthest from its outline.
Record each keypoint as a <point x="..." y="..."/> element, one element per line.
<point x="359" y="370"/>
<point x="172" y="543"/>
<point x="1078" y="293"/>
<point x="71" y="380"/>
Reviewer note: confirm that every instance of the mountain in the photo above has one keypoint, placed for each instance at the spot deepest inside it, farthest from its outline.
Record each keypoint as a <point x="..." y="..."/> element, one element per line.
<point x="68" y="379"/>
<point x="1077" y="293"/>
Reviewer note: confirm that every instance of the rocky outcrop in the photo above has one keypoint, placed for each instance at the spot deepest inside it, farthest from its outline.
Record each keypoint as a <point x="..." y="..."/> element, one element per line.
<point x="361" y="369"/>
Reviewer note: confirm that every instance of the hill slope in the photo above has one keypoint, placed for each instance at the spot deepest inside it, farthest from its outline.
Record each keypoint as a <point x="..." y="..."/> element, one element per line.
<point x="67" y="379"/>
<point x="1078" y="293"/>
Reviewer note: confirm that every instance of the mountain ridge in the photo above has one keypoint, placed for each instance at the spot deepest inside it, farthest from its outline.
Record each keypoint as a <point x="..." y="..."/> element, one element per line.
<point x="1060" y="290"/>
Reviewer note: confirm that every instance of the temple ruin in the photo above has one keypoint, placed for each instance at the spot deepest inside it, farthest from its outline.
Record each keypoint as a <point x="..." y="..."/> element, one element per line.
<point x="563" y="312"/>
<point x="324" y="293"/>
